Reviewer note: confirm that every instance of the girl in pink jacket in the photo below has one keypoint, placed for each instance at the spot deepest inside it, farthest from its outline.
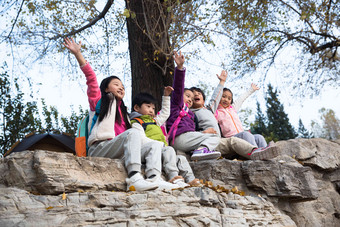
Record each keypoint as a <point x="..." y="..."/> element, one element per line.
<point x="229" y="121"/>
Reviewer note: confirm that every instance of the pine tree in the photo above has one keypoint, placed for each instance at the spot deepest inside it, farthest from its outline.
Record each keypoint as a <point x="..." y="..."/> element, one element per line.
<point x="278" y="121"/>
<point x="259" y="126"/>
<point x="302" y="131"/>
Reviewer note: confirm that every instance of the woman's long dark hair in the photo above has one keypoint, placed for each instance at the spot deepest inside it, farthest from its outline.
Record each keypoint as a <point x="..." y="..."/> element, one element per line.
<point x="107" y="100"/>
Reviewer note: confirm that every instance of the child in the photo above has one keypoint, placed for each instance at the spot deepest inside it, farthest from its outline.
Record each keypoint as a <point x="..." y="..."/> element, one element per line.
<point x="109" y="122"/>
<point x="229" y="121"/>
<point x="181" y="125"/>
<point x="149" y="127"/>
<point x="208" y="124"/>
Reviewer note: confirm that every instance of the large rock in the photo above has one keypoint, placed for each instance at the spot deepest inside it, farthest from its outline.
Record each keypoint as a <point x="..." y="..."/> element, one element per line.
<point x="188" y="207"/>
<point x="50" y="173"/>
<point x="298" y="188"/>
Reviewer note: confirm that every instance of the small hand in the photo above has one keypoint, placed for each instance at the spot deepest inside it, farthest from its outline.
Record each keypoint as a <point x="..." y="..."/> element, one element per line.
<point x="210" y="130"/>
<point x="179" y="59"/>
<point x="72" y="46"/>
<point x="168" y="90"/>
<point x="223" y="76"/>
<point x="254" y="86"/>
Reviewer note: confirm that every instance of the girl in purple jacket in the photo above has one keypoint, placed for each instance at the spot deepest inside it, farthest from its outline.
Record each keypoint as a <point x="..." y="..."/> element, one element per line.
<point x="181" y="124"/>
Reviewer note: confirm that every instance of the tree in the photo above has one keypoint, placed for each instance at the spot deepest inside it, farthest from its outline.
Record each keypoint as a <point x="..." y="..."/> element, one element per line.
<point x="259" y="126"/>
<point x="258" y="32"/>
<point x="278" y="122"/>
<point x="331" y="124"/>
<point x="302" y="131"/>
<point x="19" y="118"/>
<point x="262" y="30"/>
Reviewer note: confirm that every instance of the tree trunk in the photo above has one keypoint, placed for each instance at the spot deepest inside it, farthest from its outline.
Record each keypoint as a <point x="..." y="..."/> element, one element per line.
<point x="152" y="65"/>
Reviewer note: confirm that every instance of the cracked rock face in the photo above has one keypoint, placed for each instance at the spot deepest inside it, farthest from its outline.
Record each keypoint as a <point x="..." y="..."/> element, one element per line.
<point x="298" y="188"/>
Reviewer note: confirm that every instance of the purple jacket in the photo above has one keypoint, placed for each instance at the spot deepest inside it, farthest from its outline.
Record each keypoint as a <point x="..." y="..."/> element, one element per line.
<point x="187" y="123"/>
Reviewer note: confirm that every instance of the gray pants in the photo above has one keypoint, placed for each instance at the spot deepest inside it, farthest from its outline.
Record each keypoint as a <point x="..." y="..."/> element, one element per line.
<point x="127" y="146"/>
<point x="256" y="140"/>
<point x="175" y="165"/>
<point x="190" y="141"/>
<point x="233" y="145"/>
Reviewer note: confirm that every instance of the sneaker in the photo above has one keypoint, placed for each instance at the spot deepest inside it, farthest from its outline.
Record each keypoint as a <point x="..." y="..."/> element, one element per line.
<point x="204" y="154"/>
<point x="162" y="184"/>
<point x="138" y="183"/>
<point x="264" y="153"/>
<point x="181" y="183"/>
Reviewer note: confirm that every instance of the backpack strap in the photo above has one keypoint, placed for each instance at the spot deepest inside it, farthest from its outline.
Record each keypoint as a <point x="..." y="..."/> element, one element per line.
<point x="95" y="117"/>
<point x="142" y="123"/>
<point x="174" y="126"/>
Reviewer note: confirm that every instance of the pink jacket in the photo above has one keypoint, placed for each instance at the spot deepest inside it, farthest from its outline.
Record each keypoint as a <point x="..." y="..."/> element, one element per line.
<point x="228" y="119"/>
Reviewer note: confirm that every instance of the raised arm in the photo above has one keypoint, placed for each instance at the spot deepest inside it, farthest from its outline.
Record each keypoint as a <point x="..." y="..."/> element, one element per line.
<point x="164" y="113"/>
<point x="74" y="48"/>
<point x="178" y="84"/>
<point x="217" y="95"/>
<point x="238" y="103"/>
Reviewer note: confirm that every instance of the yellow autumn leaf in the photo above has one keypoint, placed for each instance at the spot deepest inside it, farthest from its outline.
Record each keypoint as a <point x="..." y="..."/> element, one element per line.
<point x="64" y="196"/>
<point x="132" y="188"/>
<point x="49" y="208"/>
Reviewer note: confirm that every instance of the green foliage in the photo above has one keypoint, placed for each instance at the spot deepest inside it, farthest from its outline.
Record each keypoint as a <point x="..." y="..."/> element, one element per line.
<point x="330" y="124"/>
<point x="260" y="124"/>
<point x="19" y="118"/>
<point x="302" y="131"/>
<point x="278" y="121"/>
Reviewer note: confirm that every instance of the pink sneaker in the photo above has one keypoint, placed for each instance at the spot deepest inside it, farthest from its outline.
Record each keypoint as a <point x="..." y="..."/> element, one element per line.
<point x="264" y="153"/>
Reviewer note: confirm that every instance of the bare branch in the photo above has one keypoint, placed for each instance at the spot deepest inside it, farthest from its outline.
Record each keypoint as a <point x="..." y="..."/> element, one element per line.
<point x="16" y="19"/>
<point x="108" y="5"/>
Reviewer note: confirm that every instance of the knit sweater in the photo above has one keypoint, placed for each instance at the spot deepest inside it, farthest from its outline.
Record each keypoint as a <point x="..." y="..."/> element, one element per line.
<point x="205" y="115"/>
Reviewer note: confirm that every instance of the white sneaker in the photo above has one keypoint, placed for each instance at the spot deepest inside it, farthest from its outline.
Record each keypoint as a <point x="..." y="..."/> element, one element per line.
<point x="181" y="183"/>
<point x="265" y="153"/>
<point x="138" y="183"/>
<point x="162" y="184"/>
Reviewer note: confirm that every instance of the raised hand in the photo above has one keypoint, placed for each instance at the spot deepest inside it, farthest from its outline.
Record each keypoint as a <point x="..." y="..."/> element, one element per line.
<point x="223" y="76"/>
<point x="74" y="48"/>
<point x="254" y="86"/>
<point x="168" y="90"/>
<point x="179" y="59"/>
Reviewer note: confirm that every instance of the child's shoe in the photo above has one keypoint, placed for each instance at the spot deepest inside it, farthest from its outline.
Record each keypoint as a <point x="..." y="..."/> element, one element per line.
<point x="181" y="183"/>
<point x="138" y="183"/>
<point x="162" y="184"/>
<point x="264" y="153"/>
<point x="204" y="154"/>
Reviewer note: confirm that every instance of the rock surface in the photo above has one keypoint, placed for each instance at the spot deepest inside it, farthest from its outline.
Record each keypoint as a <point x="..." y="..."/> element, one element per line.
<point x="298" y="188"/>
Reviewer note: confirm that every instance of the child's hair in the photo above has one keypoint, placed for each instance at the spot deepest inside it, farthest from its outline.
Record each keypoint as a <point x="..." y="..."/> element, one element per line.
<point x="107" y="100"/>
<point x="198" y="90"/>
<point x="232" y="96"/>
<point x="187" y="89"/>
<point x="142" y="98"/>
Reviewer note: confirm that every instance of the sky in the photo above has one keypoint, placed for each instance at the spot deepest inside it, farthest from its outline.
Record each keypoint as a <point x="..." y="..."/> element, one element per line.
<point x="58" y="90"/>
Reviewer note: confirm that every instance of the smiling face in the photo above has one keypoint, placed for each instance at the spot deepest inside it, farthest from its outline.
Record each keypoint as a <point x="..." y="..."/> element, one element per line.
<point x="188" y="98"/>
<point x="198" y="100"/>
<point x="116" y="87"/>
<point x="145" y="109"/>
<point x="226" y="99"/>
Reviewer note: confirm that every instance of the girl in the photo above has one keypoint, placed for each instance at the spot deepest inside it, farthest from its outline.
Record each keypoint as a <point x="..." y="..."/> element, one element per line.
<point x="108" y="126"/>
<point x="229" y="121"/>
<point x="181" y="125"/>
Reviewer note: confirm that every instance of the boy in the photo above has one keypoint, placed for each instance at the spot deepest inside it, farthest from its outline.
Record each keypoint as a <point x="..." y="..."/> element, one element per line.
<point x="207" y="123"/>
<point x="143" y="118"/>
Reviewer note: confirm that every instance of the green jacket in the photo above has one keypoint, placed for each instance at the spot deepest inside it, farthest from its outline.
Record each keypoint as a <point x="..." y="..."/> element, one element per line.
<point x="151" y="129"/>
